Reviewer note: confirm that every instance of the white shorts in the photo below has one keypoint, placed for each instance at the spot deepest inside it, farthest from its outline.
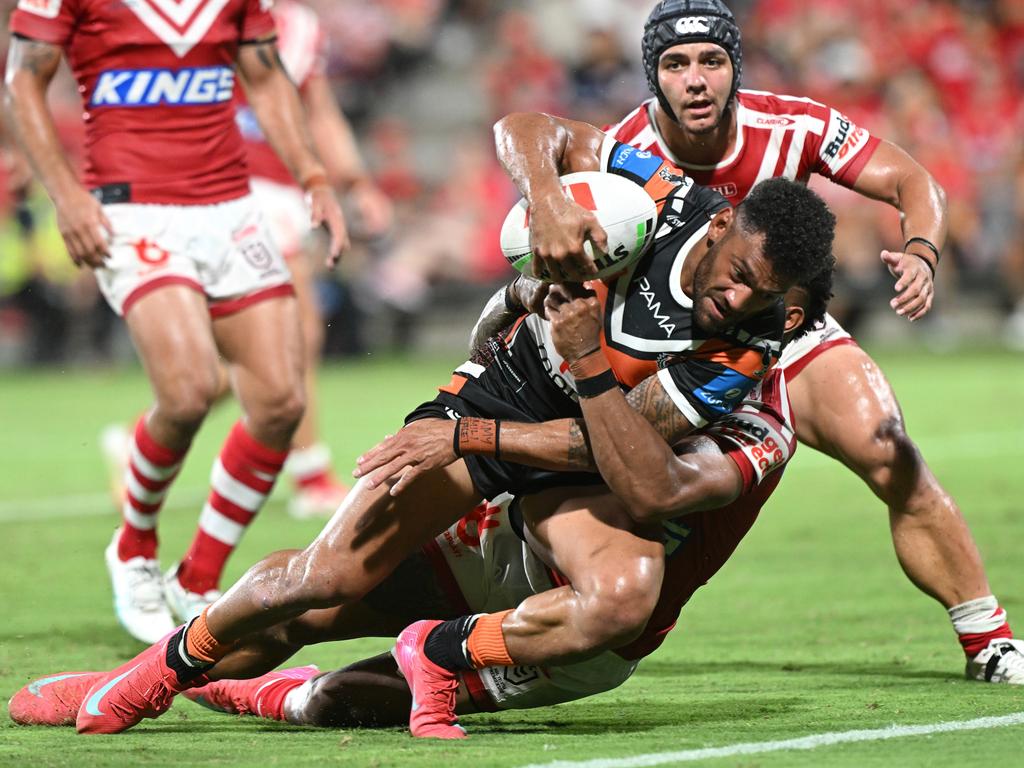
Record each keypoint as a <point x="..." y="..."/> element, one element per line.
<point x="494" y="570"/>
<point x="286" y="213"/>
<point x="797" y="355"/>
<point x="223" y="251"/>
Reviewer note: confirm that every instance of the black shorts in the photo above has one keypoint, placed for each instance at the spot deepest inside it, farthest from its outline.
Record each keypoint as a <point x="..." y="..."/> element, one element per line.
<point x="490" y="476"/>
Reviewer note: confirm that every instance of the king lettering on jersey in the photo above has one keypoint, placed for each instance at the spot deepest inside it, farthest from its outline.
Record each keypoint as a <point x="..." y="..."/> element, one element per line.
<point x="156" y="78"/>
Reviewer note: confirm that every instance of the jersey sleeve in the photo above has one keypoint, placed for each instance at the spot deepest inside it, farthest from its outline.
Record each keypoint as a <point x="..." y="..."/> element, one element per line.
<point x="841" y="150"/>
<point x="48" y="21"/>
<point x="257" y="21"/>
<point x="710" y="383"/>
<point x="758" y="441"/>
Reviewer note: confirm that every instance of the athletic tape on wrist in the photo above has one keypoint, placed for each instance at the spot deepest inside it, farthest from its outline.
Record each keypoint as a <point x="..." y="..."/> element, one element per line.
<point x="593" y="374"/>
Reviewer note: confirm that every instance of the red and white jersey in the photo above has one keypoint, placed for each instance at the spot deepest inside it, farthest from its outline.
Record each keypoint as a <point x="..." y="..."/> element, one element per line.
<point x="156" y="78"/>
<point x="777" y="136"/>
<point x="301" y="42"/>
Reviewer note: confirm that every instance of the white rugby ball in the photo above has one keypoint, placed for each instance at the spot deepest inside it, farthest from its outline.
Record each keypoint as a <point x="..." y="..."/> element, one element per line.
<point x="622" y="207"/>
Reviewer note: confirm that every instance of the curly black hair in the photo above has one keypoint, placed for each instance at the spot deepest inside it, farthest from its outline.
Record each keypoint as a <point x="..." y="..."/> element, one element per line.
<point x="797" y="226"/>
<point x="816" y="293"/>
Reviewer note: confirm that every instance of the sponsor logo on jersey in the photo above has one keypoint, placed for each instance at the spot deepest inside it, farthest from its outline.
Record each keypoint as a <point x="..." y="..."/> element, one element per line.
<point x="845" y="139"/>
<point x="650" y="298"/>
<point x="190" y="86"/>
<point x="727" y="191"/>
<point x="779" y="120"/>
<point x="723" y="392"/>
<point x="692" y="25"/>
<point x="631" y="160"/>
<point x="675" y="535"/>
<point x="48" y="9"/>
<point x="671" y="177"/>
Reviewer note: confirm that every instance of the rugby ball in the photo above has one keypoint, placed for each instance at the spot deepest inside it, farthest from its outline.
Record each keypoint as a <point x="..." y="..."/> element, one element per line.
<point x="621" y="206"/>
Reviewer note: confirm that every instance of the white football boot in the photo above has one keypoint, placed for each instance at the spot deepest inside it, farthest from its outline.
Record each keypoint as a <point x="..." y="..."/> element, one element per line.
<point x="185" y="605"/>
<point x="138" y="595"/>
<point x="1001" y="661"/>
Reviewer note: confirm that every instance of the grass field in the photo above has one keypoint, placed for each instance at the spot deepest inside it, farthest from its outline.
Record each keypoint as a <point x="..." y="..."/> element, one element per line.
<point x="811" y="629"/>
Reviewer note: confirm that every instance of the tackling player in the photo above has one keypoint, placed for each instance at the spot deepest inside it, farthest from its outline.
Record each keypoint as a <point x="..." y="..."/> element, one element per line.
<point x="737" y="462"/>
<point x="718" y="274"/>
<point x="165" y="220"/>
<point x="729" y="139"/>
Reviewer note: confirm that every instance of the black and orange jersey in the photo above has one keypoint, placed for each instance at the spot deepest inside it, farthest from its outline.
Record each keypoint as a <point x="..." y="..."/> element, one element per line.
<point x="649" y="328"/>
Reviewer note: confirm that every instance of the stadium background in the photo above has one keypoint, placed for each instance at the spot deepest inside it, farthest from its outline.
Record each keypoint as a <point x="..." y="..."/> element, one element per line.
<point x="423" y="80"/>
<point x="811" y="628"/>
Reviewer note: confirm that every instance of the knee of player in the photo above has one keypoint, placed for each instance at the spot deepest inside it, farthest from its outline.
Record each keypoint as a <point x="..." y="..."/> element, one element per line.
<point x="189" y="402"/>
<point x="282" y="410"/>
<point x="618" y="607"/>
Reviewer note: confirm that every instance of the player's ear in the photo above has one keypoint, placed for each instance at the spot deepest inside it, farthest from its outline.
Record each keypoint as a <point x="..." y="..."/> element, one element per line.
<point x="721" y="222"/>
<point x="794" y="317"/>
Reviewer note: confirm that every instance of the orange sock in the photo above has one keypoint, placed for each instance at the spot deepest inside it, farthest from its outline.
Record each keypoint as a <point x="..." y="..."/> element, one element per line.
<point x="486" y="643"/>
<point x="200" y="644"/>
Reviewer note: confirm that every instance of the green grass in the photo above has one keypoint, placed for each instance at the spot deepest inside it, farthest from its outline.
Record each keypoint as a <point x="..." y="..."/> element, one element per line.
<point x="810" y="628"/>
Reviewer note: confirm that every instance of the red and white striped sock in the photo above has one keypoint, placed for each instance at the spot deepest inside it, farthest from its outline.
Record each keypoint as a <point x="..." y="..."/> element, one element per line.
<point x="151" y="469"/>
<point x="978" y="622"/>
<point x="309" y="466"/>
<point x="242" y="478"/>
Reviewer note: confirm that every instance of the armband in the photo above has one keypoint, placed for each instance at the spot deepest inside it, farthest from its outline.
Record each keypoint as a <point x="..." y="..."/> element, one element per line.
<point x="512" y="306"/>
<point x="476" y="436"/>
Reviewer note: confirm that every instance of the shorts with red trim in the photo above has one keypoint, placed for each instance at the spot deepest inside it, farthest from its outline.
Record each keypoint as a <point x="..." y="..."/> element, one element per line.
<point x="222" y="251"/>
<point x="481" y="565"/>
<point x="286" y="212"/>
<point x="798" y="354"/>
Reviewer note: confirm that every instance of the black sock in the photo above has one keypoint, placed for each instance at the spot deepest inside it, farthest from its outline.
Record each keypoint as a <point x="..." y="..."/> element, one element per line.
<point x="185" y="667"/>
<point x="446" y="643"/>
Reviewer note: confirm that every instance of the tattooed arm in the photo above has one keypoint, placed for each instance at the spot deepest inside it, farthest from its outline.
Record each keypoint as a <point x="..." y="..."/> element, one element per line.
<point x="276" y="103"/>
<point x="31" y="66"/>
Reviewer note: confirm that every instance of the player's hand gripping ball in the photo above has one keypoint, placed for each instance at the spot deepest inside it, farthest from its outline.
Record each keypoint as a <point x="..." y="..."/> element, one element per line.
<point x="623" y="208"/>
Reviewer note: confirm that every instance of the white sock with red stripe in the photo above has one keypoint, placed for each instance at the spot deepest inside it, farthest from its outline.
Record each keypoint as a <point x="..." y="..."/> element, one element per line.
<point x="242" y="478"/>
<point x="978" y="622"/>
<point x="151" y="469"/>
<point x="309" y="466"/>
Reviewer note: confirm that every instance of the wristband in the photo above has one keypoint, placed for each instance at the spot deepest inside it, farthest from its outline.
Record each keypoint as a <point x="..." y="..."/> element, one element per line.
<point x="512" y="306"/>
<point x="930" y="246"/>
<point x="593" y="374"/>
<point x="477" y="436"/>
<point x="314" y="180"/>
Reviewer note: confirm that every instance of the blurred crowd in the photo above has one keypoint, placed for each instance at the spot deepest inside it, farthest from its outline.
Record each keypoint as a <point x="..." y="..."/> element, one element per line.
<point x="422" y="81"/>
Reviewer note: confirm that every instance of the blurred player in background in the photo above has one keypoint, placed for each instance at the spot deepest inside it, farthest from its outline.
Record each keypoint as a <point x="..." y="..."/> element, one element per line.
<point x="179" y="248"/>
<point x="729" y="140"/>
<point x="301" y="44"/>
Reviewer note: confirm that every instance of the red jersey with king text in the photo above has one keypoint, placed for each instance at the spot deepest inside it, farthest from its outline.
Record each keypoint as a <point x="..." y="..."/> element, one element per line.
<point x="301" y="43"/>
<point x="777" y="136"/>
<point x="156" y="78"/>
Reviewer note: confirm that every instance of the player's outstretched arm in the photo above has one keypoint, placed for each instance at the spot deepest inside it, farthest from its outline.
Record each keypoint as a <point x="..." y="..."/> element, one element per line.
<point x="535" y="149"/>
<point x="276" y="103"/>
<point x="31" y="65"/>
<point x="893" y="176"/>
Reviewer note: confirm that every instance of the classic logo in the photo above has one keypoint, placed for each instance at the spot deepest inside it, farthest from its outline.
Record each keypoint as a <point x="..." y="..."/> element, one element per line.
<point x="48" y="9"/>
<point x="692" y="25"/>
<point x="152" y="87"/>
<point x="776" y="121"/>
<point x="180" y="25"/>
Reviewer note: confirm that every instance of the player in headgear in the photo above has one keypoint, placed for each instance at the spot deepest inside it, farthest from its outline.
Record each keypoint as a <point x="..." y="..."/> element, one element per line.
<point x="672" y="22"/>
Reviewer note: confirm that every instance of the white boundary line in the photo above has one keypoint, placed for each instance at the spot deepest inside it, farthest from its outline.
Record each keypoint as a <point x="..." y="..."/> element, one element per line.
<point x="803" y="743"/>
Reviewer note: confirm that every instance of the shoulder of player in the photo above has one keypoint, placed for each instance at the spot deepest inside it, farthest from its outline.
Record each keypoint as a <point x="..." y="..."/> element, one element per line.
<point x="763" y="109"/>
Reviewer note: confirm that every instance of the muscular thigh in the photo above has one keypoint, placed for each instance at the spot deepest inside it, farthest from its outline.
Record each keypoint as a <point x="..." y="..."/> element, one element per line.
<point x="373" y="532"/>
<point x="170" y="327"/>
<point x="585" y="530"/>
<point x="844" y="406"/>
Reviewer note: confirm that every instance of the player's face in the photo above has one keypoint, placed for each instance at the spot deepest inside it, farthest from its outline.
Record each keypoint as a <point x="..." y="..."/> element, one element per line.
<point x="696" y="78"/>
<point x="733" y="281"/>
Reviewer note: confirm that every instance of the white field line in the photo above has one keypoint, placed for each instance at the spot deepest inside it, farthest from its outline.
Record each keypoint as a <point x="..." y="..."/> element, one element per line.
<point x="803" y="743"/>
<point x="978" y="445"/>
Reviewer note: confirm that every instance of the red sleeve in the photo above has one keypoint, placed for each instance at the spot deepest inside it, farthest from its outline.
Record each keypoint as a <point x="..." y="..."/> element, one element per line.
<point x="842" y="148"/>
<point x="757" y="441"/>
<point x="48" y="21"/>
<point x="257" y="22"/>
